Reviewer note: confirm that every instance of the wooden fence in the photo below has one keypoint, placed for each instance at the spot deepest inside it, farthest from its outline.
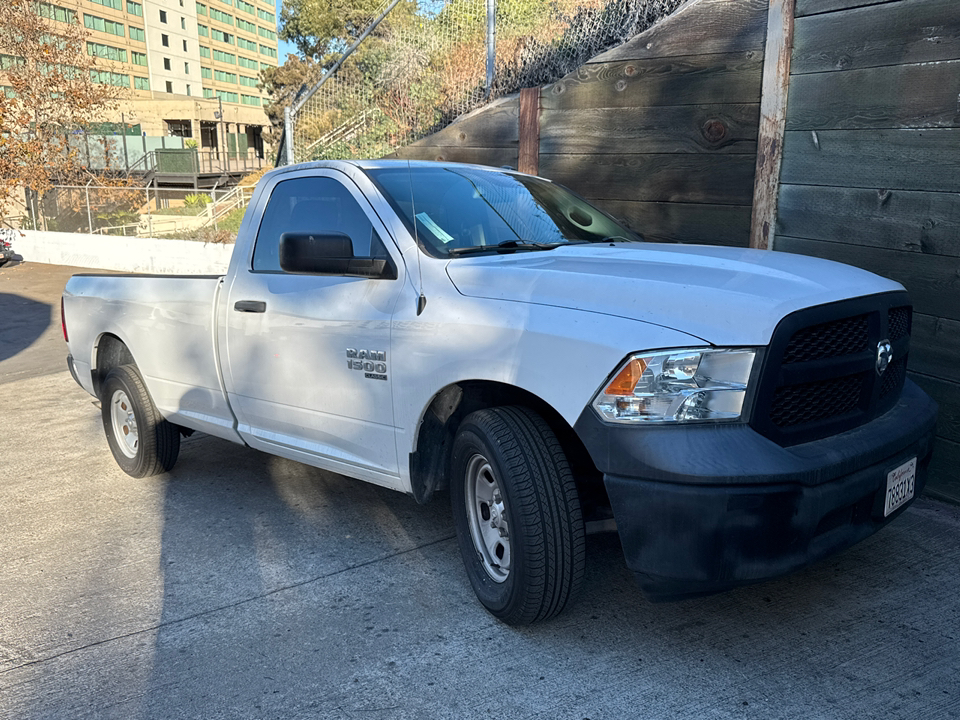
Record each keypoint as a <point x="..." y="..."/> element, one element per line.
<point x="871" y="171"/>
<point x="662" y="132"/>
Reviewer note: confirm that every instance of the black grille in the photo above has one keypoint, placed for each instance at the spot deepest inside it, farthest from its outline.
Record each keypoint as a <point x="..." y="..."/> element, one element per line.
<point x="820" y="374"/>
<point x="898" y="323"/>
<point x="812" y="402"/>
<point x="894" y="376"/>
<point x="830" y="339"/>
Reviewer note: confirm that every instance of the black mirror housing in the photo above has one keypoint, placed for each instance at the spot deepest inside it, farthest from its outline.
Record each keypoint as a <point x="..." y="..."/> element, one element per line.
<point x="329" y="254"/>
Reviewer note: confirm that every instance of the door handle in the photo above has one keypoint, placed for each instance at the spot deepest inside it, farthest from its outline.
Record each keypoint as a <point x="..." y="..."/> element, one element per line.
<point x="251" y="306"/>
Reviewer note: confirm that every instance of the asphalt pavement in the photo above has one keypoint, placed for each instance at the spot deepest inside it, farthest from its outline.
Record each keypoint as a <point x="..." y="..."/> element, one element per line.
<point x="245" y="586"/>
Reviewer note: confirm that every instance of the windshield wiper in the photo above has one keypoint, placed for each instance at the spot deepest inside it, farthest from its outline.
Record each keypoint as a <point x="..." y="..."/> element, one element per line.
<point x="507" y="246"/>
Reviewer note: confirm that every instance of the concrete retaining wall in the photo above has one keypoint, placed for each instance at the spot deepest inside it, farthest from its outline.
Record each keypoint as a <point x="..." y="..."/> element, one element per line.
<point x="126" y="254"/>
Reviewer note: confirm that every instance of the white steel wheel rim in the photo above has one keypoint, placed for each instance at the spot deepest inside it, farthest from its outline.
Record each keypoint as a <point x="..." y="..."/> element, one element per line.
<point x="487" y="518"/>
<point x="124" y="424"/>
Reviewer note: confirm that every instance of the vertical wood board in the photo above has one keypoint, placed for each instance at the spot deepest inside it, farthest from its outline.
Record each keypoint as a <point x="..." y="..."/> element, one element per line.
<point x="773" y="112"/>
<point x="528" y="122"/>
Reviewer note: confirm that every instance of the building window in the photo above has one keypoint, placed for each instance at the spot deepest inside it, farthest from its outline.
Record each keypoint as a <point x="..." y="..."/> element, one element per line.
<point x="139" y="58"/>
<point x="221" y="76"/>
<point x="115" y="4"/>
<point x="221" y="16"/>
<point x="183" y="23"/>
<point x="54" y="12"/>
<point x="166" y="63"/>
<point x="184" y="45"/>
<point x="188" y="90"/>
<point x="221" y="56"/>
<point x="247" y="62"/>
<point x="202" y="31"/>
<point x="105" y="77"/>
<point x="208" y="92"/>
<point x="141" y="83"/>
<point x="250" y="100"/>
<point x="246" y="44"/>
<point x="92" y="22"/>
<point x="163" y="16"/>
<point x="165" y="40"/>
<point x="206" y="73"/>
<point x="179" y="128"/>
<point x="137" y="34"/>
<point x="245" y="6"/>
<point x="269" y="34"/>
<point x="134" y="8"/>
<point x="201" y="9"/>
<point x="248" y="26"/>
<point x="268" y="51"/>
<point x="169" y="86"/>
<point x="106" y="51"/>
<point x="204" y="52"/>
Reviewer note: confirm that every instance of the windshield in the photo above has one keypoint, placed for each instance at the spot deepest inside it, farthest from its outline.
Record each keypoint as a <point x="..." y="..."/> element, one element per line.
<point x="464" y="210"/>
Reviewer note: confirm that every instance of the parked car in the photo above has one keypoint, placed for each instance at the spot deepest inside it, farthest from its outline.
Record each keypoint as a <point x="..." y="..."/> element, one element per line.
<point x="6" y="245"/>
<point x="738" y="413"/>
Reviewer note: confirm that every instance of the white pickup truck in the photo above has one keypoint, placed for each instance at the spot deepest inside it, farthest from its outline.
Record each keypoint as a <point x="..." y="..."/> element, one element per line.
<point x="443" y="327"/>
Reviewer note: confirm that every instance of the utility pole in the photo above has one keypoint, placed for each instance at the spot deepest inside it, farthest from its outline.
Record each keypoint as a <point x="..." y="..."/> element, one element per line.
<point x="223" y="132"/>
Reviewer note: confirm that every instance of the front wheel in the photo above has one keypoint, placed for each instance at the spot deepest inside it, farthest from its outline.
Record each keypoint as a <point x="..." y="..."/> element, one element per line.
<point x="142" y="442"/>
<point x="517" y="514"/>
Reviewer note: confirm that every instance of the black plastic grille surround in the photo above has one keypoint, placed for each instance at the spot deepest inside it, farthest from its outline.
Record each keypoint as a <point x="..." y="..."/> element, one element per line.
<point x="821" y="372"/>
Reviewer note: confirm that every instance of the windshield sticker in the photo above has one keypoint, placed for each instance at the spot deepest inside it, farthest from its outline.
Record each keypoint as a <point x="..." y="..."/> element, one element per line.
<point x="427" y="221"/>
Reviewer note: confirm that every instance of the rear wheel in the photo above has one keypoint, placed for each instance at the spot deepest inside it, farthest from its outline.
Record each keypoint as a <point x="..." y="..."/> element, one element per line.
<point x="142" y="442"/>
<point x="517" y="513"/>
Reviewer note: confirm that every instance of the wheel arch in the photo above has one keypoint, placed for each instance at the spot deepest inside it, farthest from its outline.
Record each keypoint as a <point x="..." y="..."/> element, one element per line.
<point x="109" y="351"/>
<point x="440" y="419"/>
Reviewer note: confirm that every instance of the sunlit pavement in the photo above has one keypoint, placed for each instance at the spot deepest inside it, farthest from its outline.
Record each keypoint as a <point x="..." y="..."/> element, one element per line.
<point x="245" y="586"/>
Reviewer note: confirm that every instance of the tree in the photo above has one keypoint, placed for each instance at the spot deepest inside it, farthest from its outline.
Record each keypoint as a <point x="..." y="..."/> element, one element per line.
<point x="283" y="83"/>
<point x="321" y="27"/>
<point x="52" y="92"/>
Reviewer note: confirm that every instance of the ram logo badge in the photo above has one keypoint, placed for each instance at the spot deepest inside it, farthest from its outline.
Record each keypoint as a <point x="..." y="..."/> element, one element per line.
<point x="372" y="363"/>
<point x="884" y="356"/>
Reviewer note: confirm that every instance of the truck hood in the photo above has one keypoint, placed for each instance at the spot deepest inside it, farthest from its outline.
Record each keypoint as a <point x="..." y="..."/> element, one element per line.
<point x="725" y="296"/>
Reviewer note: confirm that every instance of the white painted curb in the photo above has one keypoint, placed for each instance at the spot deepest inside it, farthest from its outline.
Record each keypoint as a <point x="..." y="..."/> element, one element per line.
<point x="126" y="254"/>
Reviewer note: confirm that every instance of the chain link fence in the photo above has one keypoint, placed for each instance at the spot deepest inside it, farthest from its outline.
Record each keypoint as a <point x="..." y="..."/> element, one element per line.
<point x="207" y="215"/>
<point x="423" y="66"/>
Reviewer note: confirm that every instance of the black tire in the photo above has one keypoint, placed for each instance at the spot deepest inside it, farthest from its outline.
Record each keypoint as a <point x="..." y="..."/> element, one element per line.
<point x="511" y="453"/>
<point x="147" y="446"/>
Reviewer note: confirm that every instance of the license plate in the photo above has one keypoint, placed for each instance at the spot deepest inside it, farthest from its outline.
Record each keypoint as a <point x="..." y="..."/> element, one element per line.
<point x="900" y="486"/>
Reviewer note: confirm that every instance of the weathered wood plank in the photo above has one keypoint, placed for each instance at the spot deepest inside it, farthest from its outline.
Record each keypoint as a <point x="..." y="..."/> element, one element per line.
<point x="494" y="126"/>
<point x="707" y="26"/>
<point x="897" y="96"/>
<point x="891" y="159"/>
<point x="726" y="129"/>
<point x="684" y="222"/>
<point x="914" y="222"/>
<point x="686" y="80"/>
<point x="932" y="280"/>
<point x="715" y="179"/>
<point x="896" y="33"/>
<point x="528" y="124"/>
<point x="812" y="7"/>
<point x="773" y="113"/>
<point x="943" y="482"/>
<point x="935" y="347"/>
<point x="484" y="156"/>
<point x="947" y="395"/>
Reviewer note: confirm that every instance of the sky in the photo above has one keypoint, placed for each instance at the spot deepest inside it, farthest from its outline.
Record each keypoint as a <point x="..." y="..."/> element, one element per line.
<point x="284" y="48"/>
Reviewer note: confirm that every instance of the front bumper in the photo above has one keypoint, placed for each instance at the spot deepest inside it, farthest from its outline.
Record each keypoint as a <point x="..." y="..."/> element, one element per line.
<point x="703" y="508"/>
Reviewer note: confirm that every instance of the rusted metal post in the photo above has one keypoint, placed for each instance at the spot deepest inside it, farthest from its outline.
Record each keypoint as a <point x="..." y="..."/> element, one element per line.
<point x="773" y="118"/>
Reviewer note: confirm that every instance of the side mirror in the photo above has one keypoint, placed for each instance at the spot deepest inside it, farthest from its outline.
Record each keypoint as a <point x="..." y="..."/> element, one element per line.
<point x="330" y="254"/>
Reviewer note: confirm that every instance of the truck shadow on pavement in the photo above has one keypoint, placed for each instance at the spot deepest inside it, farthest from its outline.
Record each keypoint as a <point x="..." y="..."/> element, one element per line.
<point x="22" y="322"/>
<point x="289" y="590"/>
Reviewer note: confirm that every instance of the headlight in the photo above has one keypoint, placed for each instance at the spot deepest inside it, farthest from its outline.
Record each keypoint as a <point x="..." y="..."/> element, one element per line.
<point x="678" y="386"/>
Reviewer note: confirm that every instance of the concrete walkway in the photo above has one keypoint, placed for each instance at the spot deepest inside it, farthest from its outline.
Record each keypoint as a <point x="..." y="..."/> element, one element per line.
<point x="245" y="586"/>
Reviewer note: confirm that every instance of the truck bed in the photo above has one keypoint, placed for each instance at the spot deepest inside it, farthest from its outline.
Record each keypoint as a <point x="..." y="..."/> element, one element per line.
<point x="168" y="323"/>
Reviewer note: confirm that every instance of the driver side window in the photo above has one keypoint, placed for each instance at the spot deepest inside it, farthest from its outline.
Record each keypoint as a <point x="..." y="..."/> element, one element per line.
<point x="318" y="205"/>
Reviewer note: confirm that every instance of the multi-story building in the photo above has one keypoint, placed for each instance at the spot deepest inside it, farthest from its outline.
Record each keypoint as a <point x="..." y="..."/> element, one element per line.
<point x="191" y="67"/>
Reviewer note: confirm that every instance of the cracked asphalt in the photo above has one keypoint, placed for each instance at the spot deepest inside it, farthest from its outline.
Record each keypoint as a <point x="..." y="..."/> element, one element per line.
<point x="245" y="586"/>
